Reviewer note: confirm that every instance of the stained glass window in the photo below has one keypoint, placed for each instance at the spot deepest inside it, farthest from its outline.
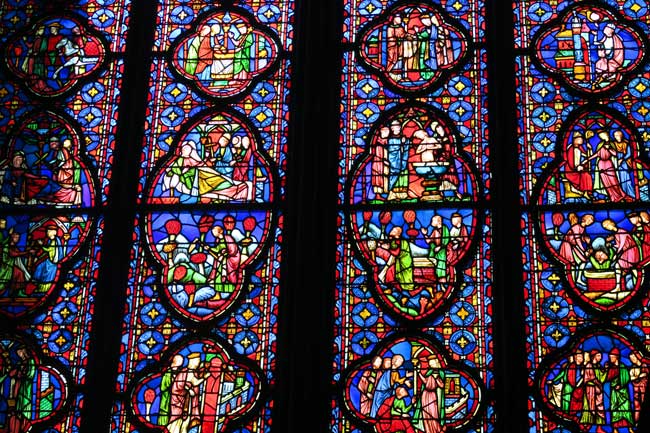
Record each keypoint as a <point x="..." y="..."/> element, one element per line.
<point x="164" y="251"/>
<point x="413" y="294"/>
<point x="198" y="342"/>
<point x="59" y="82"/>
<point x="582" y="126"/>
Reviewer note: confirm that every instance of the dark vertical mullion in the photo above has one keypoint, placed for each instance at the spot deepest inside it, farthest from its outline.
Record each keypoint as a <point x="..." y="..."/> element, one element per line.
<point x="307" y="300"/>
<point x="117" y="242"/>
<point x="509" y="307"/>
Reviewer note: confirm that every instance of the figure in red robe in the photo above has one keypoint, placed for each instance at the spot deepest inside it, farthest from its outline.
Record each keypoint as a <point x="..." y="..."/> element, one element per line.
<point x="206" y="52"/>
<point x="645" y="225"/>
<point x="458" y="239"/>
<point x="639" y="375"/>
<point x="411" y="45"/>
<point x="432" y="397"/>
<point x="611" y="53"/>
<point x="574" y="386"/>
<point x="606" y="174"/>
<point x="576" y="174"/>
<point x="185" y="396"/>
<point x="53" y="56"/>
<point x="242" y="154"/>
<point x="627" y="250"/>
<point x="394" y="42"/>
<point x="215" y="375"/>
<point x="366" y="386"/>
<point x="593" y="407"/>
<point x="394" y="414"/>
<point x="573" y="246"/>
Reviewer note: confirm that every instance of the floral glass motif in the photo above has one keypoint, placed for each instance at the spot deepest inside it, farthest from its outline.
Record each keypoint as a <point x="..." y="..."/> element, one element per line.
<point x="225" y="53"/>
<point x="200" y="379"/>
<point x="53" y="54"/>
<point x="412" y="46"/>
<point x="590" y="48"/>
<point x="32" y="391"/>
<point x="408" y="385"/>
<point x="414" y="239"/>
<point x="584" y="187"/>
<point x="599" y="380"/>
<point x="218" y="160"/>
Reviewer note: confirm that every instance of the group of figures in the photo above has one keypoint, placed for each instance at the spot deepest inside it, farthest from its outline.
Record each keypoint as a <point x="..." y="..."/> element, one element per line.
<point x="54" y="54"/>
<point x="590" y="47"/>
<point x="596" y="383"/>
<point x="224" y="54"/>
<point x="604" y="260"/>
<point x="204" y="255"/>
<point x="412" y="46"/>
<point x="413" y="254"/>
<point x="601" y="383"/>
<point x="198" y="390"/>
<point x="216" y="161"/>
<point x="32" y="251"/>
<point x="601" y="164"/>
<point x="413" y="158"/>
<point x="204" y="258"/>
<point x="28" y="392"/>
<point x="42" y="167"/>
<point x="408" y="388"/>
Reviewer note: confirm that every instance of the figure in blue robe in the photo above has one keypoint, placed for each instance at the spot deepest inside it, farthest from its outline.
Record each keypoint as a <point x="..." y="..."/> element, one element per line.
<point x="397" y="150"/>
<point x="222" y="161"/>
<point x="45" y="272"/>
<point x="383" y="390"/>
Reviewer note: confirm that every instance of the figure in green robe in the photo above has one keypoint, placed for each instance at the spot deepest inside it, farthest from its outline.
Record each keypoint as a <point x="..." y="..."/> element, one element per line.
<point x="426" y="61"/>
<point x="26" y="371"/>
<point x="183" y="274"/>
<point x="618" y="376"/>
<point x="6" y="266"/>
<point x="438" y="240"/>
<point x="399" y="407"/>
<point x="181" y="175"/>
<point x="244" y="55"/>
<point x="403" y="260"/>
<point x="192" y="55"/>
<point x="601" y="257"/>
<point x="593" y="407"/>
<point x="165" y="389"/>
<point x="566" y="380"/>
<point x="226" y="261"/>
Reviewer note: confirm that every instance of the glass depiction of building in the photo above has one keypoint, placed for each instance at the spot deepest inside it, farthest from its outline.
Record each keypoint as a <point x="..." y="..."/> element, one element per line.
<point x="356" y="216"/>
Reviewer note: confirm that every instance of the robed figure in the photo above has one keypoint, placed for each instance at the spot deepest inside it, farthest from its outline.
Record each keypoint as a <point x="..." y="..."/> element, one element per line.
<point x="215" y="377"/>
<point x="618" y="378"/>
<point x="396" y="254"/>
<point x="593" y="407"/>
<point x="429" y="412"/>
<point x="564" y="384"/>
